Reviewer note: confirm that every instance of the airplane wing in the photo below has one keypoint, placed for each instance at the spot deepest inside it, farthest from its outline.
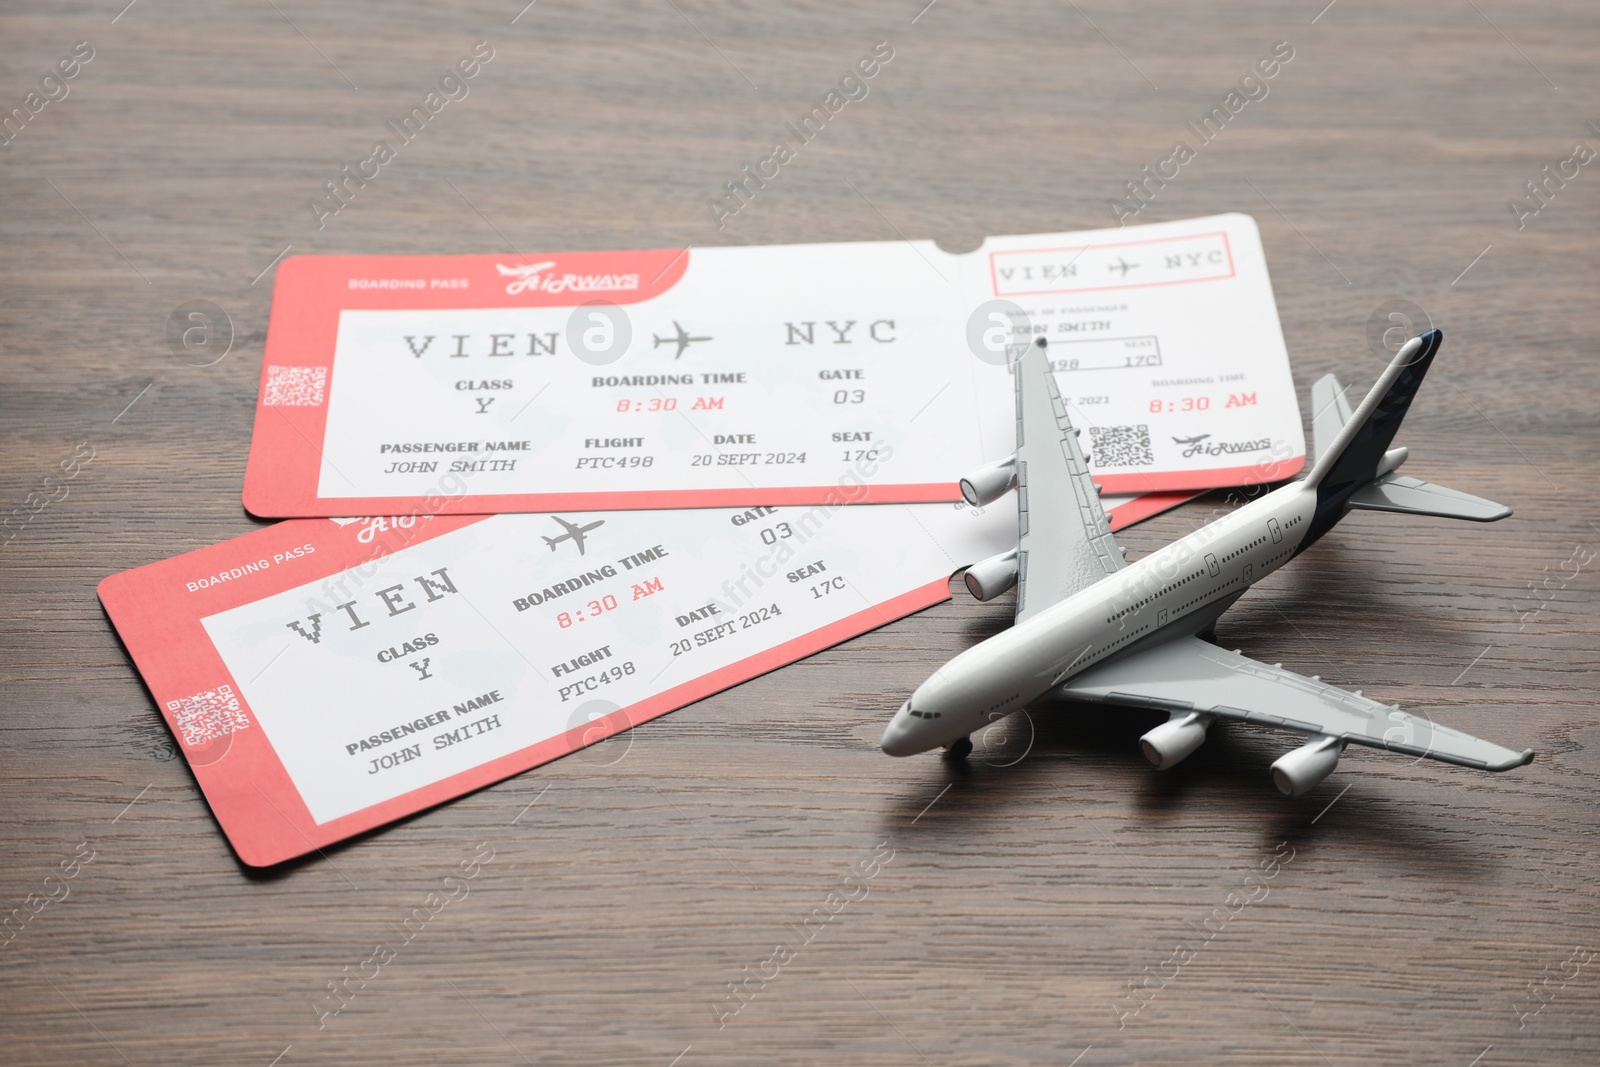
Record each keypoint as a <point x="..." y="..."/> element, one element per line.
<point x="1064" y="539"/>
<point x="1188" y="674"/>
<point x="571" y="528"/>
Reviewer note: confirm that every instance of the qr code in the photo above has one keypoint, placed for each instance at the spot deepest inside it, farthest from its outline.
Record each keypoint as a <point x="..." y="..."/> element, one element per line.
<point x="296" y="387"/>
<point x="1121" y="446"/>
<point x="208" y="716"/>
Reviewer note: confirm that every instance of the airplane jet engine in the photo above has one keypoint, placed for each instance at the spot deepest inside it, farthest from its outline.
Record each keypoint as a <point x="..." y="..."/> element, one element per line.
<point x="1174" y="740"/>
<point x="989" y="482"/>
<point x="988" y="578"/>
<point x="1300" y="771"/>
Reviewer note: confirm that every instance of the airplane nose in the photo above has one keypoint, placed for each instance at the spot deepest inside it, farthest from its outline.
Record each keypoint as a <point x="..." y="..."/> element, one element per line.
<point x="897" y="739"/>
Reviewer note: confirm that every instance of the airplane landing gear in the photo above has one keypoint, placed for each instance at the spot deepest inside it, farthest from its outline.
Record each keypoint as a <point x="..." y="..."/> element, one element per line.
<point x="957" y="751"/>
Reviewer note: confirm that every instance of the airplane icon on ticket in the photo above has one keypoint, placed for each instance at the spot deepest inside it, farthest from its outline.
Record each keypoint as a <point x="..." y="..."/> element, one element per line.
<point x="683" y="340"/>
<point x="575" y="533"/>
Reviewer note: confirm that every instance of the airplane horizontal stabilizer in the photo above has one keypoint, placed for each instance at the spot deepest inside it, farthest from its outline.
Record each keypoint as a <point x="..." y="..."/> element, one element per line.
<point x="1396" y="492"/>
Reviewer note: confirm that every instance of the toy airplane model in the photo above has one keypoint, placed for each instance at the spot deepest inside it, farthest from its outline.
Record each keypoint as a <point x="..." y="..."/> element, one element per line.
<point x="1092" y="627"/>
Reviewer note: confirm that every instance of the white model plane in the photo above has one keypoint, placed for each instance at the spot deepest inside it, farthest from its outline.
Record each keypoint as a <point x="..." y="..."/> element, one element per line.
<point x="1092" y="627"/>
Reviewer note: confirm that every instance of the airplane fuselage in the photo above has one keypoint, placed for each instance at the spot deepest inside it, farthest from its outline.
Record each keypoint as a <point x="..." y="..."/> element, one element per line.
<point x="1180" y="589"/>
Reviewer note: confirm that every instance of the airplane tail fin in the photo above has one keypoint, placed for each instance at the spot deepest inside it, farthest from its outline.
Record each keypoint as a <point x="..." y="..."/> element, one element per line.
<point x="1355" y="465"/>
<point x="1351" y="459"/>
<point x="551" y="541"/>
<point x="1330" y="410"/>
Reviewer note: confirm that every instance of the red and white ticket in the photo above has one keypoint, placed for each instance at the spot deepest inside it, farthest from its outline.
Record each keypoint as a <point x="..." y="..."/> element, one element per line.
<point x="716" y="377"/>
<point x="327" y="676"/>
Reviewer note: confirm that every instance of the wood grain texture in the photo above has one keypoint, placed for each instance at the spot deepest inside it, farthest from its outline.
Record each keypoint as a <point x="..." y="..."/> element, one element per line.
<point x="1020" y="900"/>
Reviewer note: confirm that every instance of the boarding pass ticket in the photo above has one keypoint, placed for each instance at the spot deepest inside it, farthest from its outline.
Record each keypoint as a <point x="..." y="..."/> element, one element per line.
<point x="712" y="377"/>
<point x="324" y="677"/>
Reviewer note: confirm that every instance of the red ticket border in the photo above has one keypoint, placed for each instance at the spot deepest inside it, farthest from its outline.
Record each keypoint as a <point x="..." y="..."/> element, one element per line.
<point x="1275" y="470"/>
<point x="241" y="775"/>
<point x="994" y="281"/>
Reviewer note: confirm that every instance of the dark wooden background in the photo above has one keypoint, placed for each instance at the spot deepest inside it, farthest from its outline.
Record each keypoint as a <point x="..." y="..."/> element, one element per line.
<point x="651" y="872"/>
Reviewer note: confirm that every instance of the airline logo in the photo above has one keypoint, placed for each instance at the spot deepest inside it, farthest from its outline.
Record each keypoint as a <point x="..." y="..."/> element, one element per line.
<point x="533" y="277"/>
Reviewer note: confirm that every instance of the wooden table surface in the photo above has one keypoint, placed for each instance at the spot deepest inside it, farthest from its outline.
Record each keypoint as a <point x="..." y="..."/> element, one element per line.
<point x="1417" y="914"/>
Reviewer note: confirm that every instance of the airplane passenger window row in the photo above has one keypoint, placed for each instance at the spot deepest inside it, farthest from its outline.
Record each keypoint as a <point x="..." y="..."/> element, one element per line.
<point x="1253" y="544"/>
<point x="1128" y="637"/>
<point x="1203" y="597"/>
<point x="1168" y="589"/>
